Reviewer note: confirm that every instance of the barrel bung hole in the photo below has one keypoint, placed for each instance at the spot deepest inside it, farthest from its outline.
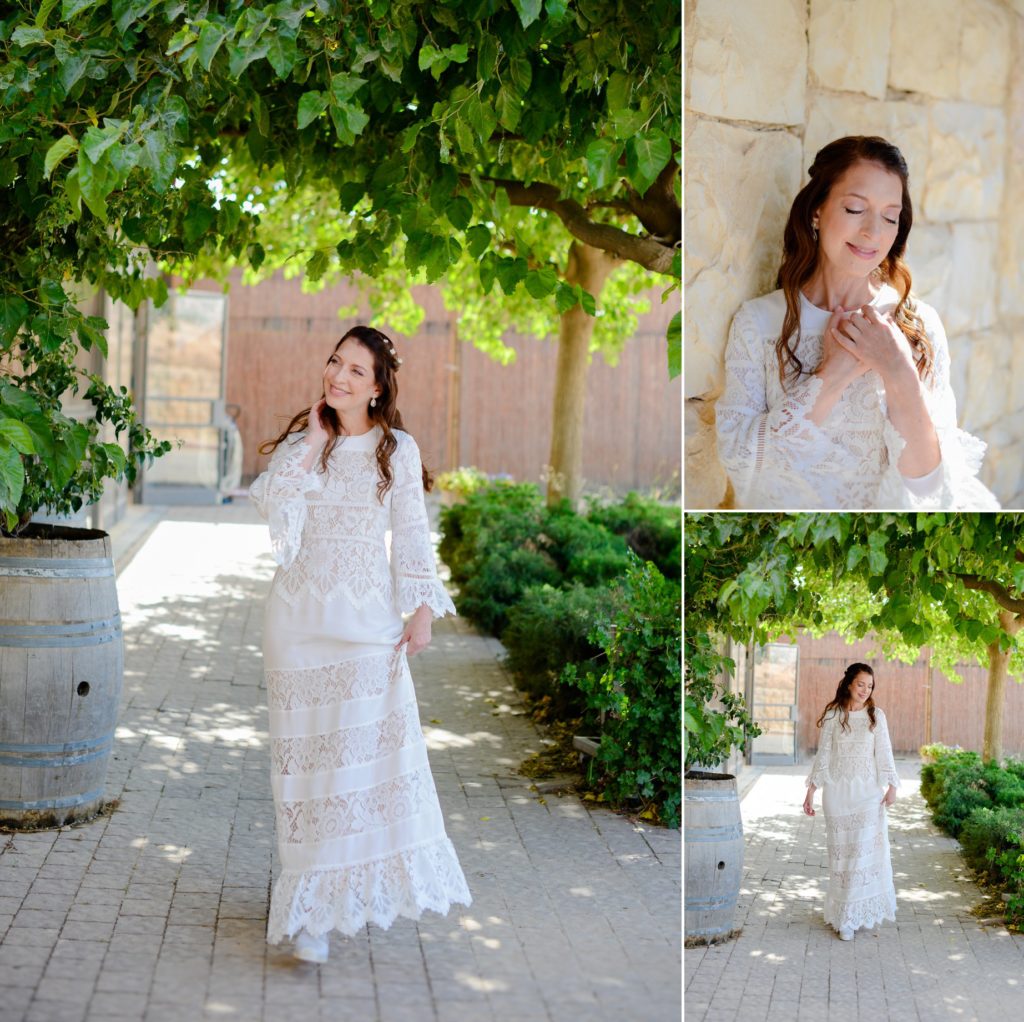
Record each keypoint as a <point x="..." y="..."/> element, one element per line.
<point x="83" y="690"/>
<point x="721" y="865"/>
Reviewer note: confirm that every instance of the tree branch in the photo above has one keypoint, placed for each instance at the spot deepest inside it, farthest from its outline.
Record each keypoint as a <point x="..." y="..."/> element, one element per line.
<point x="999" y="592"/>
<point x="648" y="252"/>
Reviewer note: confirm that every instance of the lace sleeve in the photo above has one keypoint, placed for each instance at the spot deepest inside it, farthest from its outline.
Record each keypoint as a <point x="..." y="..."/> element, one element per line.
<point x="819" y="775"/>
<point x="280" y="497"/>
<point x="884" y="762"/>
<point x="756" y="442"/>
<point x="957" y="487"/>
<point x="412" y="554"/>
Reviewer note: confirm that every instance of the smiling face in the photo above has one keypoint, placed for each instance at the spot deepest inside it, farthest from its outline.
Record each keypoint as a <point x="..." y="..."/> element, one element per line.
<point x="858" y="222"/>
<point x="349" y="380"/>
<point x="860" y="690"/>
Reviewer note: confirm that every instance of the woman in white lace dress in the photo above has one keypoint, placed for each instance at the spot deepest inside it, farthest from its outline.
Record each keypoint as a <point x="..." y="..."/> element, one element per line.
<point x="855" y="768"/>
<point x="360" y="833"/>
<point x="837" y="385"/>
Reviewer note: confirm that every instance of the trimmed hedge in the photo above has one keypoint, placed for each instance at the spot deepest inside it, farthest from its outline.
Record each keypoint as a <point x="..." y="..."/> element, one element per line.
<point x="586" y="622"/>
<point x="983" y="806"/>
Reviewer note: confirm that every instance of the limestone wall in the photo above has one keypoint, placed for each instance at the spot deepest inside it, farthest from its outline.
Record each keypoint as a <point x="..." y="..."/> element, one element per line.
<point x="768" y="83"/>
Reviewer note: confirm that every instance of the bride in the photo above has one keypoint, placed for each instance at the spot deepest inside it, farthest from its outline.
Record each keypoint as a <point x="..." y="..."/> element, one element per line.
<point x="837" y="391"/>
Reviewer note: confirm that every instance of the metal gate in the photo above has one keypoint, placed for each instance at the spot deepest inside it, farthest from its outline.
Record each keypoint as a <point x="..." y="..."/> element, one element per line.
<point x="775" y="703"/>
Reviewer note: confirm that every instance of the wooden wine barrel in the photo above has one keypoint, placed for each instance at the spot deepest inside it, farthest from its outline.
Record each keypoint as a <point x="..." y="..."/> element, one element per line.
<point x="61" y="666"/>
<point x="713" y="850"/>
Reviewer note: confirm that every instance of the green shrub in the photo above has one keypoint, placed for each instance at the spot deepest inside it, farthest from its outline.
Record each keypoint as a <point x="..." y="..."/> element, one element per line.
<point x="490" y="544"/>
<point x="583" y="550"/>
<point x="461" y="481"/>
<point x="640" y="747"/>
<point x="550" y="628"/>
<point x="651" y="529"/>
<point x="1005" y="786"/>
<point x="933" y="775"/>
<point x="964" y="790"/>
<point x="986" y="834"/>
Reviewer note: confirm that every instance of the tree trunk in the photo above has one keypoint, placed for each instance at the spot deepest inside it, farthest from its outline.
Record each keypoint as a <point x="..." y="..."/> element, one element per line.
<point x="992" y="749"/>
<point x="590" y="268"/>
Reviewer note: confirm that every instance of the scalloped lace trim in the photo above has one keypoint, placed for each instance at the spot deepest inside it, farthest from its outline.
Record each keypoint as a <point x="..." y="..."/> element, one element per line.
<point x="403" y="883"/>
<point x="863" y="914"/>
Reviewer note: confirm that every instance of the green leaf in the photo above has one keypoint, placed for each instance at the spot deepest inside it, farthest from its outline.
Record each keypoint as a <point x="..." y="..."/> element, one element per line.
<point x="115" y="454"/>
<point x="12" y="477"/>
<point x="96" y="141"/>
<point x="282" y="53"/>
<point x="45" y="9"/>
<point x="529" y="11"/>
<point x="210" y="39"/>
<point x="159" y="156"/>
<point x="540" y="283"/>
<point x="429" y="55"/>
<point x="69" y="8"/>
<point x="488" y="270"/>
<point x="182" y="38"/>
<point x="511" y="272"/>
<point x="311" y="105"/>
<point x="127" y="12"/>
<point x="198" y="221"/>
<point x="522" y="74"/>
<point x="587" y="301"/>
<point x="318" y="263"/>
<point x="17" y="434"/>
<point x="61" y="147"/>
<point x="25" y="35"/>
<point x="675" y="346"/>
<point x="459" y="212"/>
<point x="477" y="240"/>
<point x="509" y="107"/>
<point x="565" y="297"/>
<point x="646" y="157"/>
<point x="349" y="121"/>
<point x="556" y="9"/>
<point x="51" y="292"/>
<point x="603" y="156"/>
<point x="13" y="311"/>
<point x="344" y="86"/>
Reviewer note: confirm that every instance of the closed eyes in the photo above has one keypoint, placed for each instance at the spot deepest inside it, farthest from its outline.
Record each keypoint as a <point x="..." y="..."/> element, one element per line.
<point x="857" y="212"/>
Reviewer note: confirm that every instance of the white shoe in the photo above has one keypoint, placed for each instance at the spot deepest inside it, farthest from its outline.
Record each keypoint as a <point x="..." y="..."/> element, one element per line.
<point x="310" y="948"/>
<point x="846" y="933"/>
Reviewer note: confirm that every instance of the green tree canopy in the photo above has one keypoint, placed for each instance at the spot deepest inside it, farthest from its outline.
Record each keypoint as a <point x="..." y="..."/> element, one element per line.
<point x="430" y="125"/>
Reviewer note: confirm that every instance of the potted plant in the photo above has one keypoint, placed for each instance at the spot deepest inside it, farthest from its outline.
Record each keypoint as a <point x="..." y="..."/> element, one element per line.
<point x="715" y="722"/>
<point x="60" y="630"/>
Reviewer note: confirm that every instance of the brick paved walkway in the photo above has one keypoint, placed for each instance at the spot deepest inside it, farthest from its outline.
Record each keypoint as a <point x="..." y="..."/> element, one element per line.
<point x="159" y="910"/>
<point x="937" y="962"/>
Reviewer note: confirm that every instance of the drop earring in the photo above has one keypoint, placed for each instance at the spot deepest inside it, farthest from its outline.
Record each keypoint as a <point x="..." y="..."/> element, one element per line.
<point x="373" y="402"/>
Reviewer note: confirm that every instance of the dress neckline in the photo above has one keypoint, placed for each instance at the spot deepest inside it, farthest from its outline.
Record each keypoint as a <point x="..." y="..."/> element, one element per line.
<point x="885" y="293"/>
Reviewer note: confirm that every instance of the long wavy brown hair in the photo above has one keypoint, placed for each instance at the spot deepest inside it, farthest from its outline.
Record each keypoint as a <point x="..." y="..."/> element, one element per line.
<point x="800" y="248"/>
<point x="841" y="702"/>
<point x="385" y="414"/>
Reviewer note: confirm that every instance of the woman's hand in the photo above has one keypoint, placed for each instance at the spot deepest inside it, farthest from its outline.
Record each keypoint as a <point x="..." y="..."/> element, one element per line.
<point x="879" y="344"/>
<point x="809" y="801"/>
<point x="417" y="631"/>
<point x="315" y="432"/>
<point x="837" y="361"/>
<point x="889" y="797"/>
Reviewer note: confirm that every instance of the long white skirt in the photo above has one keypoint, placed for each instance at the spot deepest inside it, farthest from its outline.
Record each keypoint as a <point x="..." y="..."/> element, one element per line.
<point x="860" y="887"/>
<point x="361" y="837"/>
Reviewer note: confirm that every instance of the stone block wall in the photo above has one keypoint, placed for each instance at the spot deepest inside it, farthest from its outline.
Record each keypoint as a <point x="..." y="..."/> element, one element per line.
<point x="768" y="83"/>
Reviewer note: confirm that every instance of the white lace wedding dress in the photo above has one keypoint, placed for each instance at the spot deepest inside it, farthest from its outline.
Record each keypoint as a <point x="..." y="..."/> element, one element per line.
<point x="360" y="833"/>
<point x="853" y="768"/>
<point x="778" y="459"/>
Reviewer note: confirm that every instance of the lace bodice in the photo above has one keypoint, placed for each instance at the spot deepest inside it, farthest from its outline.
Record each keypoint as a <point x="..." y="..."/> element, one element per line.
<point x="328" y="530"/>
<point x="777" y="458"/>
<point x="855" y="753"/>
